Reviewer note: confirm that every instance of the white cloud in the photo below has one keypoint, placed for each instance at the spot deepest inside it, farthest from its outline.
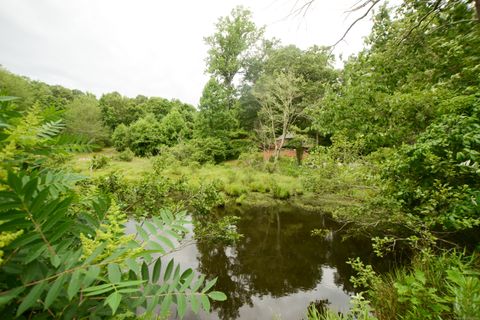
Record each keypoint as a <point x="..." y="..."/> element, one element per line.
<point x="148" y="47"/>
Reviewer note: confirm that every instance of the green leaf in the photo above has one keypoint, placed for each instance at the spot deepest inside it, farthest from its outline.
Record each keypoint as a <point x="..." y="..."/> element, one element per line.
<point x="165" y="240"/>
<point x="150" y="227"/>
<point x="205" y="302"/>
<point x="181" y="305"/>
<point x="187" y="281"/>
<point x="176" y="274"/>
<point x="128" y="290"/>
<point x="98" y="287"/>
<point x="91" y="275"/>
<point x="113" y="301"/>
<point x="165" y="306"/>
<point x="173" y="234"/>
<point x="194" y="304"/>
<point x="198" y="283"/>
<point x="156" y="270"/>
<point x="217" y="296"/>
<point x="5" y="298"/>
<point x="74" y="285"/>
<point x="54" y="291"/>
<point x="55" y="260"/>
<point x="209" y="285"/>
<point x="168" y="271"/>
<point x="145" y="275"/>
<point x="99" y="291"/>
<point x="133" y="265"/>
<point x="156" y="247"/>
<point x="114" y="274"/>
<point x="31" y="297"/>
<point x="142" y="232"/>
<point x="153" y="303"/>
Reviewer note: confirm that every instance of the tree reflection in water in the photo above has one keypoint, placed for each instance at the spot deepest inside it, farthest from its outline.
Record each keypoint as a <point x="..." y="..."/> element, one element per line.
<point x="277" y="256"/>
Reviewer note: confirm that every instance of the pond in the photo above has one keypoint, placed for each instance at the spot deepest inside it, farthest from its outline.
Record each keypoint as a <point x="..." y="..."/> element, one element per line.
<point x="278" y="268"/>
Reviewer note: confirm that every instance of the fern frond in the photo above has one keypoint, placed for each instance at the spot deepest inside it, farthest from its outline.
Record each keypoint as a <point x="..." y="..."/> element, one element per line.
<point x="8" y="98"/>
<point x="58" y="181"/>
<point x="69" y="143"/>
<point x="51" y="129"/>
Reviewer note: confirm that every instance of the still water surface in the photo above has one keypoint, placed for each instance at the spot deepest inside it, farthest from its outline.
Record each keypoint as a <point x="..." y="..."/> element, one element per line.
<point x="277" y="268"/>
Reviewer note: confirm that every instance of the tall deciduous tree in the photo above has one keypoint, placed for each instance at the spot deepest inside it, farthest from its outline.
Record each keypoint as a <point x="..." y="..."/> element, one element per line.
<point x="84" y="118"/>
<point x="280" y="109"/>
<point x="230" y="45"/>
<point x="214" y="118"/>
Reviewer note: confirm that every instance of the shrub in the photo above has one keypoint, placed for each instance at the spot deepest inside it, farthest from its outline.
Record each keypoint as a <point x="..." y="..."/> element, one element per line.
<point x="145" y="136"/>
<point x="209" y="149"/>
<point x="433" y="287"/>
<point x="126" y="155"/>
<point x="162" y="162"/>
<point x="121" y="137"/>
<point x="99" y="162"/>
<point x="182" y="152"/>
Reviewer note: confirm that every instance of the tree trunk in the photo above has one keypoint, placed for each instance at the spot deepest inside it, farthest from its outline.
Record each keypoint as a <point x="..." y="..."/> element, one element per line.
<point x="278" y="148"/>
<point x="299" y="154"/>
<point x="477" y="7"/>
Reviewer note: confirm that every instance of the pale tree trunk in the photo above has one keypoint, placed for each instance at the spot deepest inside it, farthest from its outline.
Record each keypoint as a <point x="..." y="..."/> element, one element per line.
<point x="278" y="148"/>
<point x="285" y="126"/>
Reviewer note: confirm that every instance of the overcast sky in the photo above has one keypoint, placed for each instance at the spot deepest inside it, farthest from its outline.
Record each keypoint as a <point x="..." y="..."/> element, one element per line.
<point x="149" y="47"/>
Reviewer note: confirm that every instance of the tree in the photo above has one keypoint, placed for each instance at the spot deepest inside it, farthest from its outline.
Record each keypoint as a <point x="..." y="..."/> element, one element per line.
<point x="390" y="93"/>
<point x="277" y="95"/>
<point x="230" y="45"/>
<point x="314" y="66"/>
<point x="30" y="92"/>
<point x="117" y="109"/>
<point x="215" y="119"/>
<point x="435" y="7"/>
<point x="83" y="117"/>
<point x="145" y="136"/>
<point x="174" y="128"/>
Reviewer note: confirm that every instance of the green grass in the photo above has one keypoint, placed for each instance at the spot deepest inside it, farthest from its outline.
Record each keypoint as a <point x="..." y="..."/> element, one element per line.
<point x="251" y="183"/>
<point x="131" y="170"/>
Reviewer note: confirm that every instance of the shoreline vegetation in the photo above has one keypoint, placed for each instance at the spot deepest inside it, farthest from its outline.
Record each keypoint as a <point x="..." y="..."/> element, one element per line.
<point x="239" y="181"/>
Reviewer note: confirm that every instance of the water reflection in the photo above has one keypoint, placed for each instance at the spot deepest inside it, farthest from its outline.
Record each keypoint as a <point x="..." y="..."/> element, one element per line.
<point x="277" y="268"/>
<point x="277" y="257"/>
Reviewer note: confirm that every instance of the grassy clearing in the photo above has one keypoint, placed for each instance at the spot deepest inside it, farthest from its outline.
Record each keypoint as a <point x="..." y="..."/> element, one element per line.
<point x="132" y="169"/>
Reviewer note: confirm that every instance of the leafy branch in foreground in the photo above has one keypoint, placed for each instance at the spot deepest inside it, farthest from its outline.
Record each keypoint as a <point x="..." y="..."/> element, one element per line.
<point x="58" y="262"/>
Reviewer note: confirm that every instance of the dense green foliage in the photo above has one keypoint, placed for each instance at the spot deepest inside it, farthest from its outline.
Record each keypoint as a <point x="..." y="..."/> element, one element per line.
<point x="410" y="100"/>
<point x="393" y="143"/>
<point x="83" y="118"/>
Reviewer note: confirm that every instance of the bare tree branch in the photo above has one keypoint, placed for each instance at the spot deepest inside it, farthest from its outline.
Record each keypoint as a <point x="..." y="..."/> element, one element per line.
<point x="419" y="23"/>
<point x="373" y="4"/>
<point x="357" y="6"/>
